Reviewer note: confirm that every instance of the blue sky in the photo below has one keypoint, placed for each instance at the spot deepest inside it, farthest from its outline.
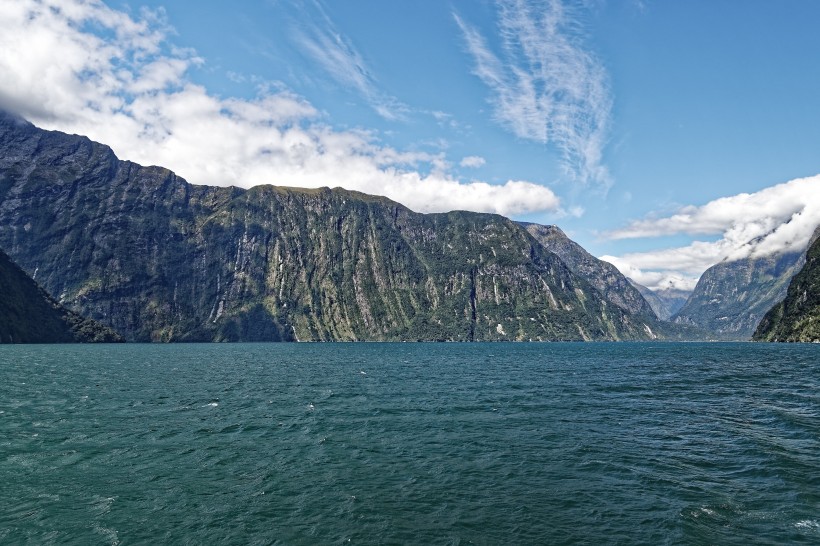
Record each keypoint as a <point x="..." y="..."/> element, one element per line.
<point x="663" y="135"/>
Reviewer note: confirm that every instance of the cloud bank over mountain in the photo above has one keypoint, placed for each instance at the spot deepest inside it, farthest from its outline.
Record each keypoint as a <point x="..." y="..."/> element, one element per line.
<point x="80" y="66"/>
<point x="776" y="219"/>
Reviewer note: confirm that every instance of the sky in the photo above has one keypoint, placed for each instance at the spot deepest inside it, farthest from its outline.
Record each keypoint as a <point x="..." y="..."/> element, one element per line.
<point x="662" y="136"/>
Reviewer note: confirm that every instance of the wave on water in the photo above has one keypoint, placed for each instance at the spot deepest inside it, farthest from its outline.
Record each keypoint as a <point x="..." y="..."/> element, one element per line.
<point x="436" y="444"/>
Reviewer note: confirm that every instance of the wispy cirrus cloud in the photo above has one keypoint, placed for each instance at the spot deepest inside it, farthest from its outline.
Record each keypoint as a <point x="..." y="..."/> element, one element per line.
<point x="546" y="85"/>
<point x="82" y="67"/>
<point x="777" y="219"/>
<point x="321" y="41"/>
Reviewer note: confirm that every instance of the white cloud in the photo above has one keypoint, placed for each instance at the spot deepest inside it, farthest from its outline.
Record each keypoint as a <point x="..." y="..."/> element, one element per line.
<point x="127" y="87"/>
<point x="546" y="86"/>
<point x="576" y="211"/>
<point x="337" y="56"/>
<point x="773" y="220"/>
<point x="654" y="280"/>
<point x="472" y="162"/>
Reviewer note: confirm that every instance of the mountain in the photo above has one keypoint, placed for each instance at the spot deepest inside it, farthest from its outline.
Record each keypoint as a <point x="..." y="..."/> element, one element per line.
<point x="731" y="297"/>
<point x="610" y="283"/>
<point x="29" y="315"/>
<point x="797" y="317"/>
<point x="665" y="303"/>
<point x="616" y="288"/>
<point x="158" y="259"/>
<point x="604" y="276"/>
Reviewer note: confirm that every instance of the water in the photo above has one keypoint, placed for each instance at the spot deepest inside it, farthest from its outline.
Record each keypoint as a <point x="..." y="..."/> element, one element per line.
<point x="410" y="444"/>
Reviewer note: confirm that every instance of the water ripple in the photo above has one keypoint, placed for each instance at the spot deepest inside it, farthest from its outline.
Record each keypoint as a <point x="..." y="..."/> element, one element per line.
<point x="410" y="444"/>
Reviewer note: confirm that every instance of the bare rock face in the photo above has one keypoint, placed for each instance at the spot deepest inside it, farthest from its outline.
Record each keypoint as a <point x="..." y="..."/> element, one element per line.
<point x="29" y="315"/>
<point x="605" y="277"/>
<point x="797" y="317"/>
<point x="158" y="259"/>
<point x="731" y="298"/>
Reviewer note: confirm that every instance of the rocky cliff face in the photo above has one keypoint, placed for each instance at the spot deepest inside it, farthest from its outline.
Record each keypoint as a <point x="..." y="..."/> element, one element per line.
<point x="604" y="276"/>
<point x="797" y="317"/>
<point x="159" y="259"/>
<point x="29" y="315"/>
<point x="731" y="297"/>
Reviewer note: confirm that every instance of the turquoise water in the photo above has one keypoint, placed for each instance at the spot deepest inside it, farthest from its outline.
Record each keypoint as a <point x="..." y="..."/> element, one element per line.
<point x="614" y="443"/>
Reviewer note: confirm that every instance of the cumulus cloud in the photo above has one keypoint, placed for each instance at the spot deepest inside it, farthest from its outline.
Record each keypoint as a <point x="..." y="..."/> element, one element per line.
<point x="472" y="162"/>
<point x="545" y="85"/>
<point x="654" y="280"/>
<point x="774" y="220"/>
<point x="82" y="67"/>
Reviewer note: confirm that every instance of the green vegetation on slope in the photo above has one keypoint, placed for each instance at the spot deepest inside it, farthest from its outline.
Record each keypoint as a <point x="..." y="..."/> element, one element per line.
<point x="159" y="259"/>
<point x="731" y="298"/>
<point x="604" y="276"/>
<point x="797" y="317"/>
<point x="29" y="315"/>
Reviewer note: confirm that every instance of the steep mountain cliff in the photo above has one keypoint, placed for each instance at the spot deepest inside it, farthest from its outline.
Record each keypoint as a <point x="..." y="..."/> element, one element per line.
<point x="604" y="276"/>
<point x="797" y="318"/>
<point x="156" y="258"/>
<point x="29" y="315"/>
<point x="731" y="297"/>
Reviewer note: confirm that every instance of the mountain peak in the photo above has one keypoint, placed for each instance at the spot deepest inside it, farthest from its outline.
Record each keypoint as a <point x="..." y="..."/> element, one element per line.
<point x="604" y="276"/>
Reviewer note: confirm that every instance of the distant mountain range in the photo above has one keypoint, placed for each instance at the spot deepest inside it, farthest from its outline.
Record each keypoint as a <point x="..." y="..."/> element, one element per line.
<point x="731" y="297"/>
<point x="666" y="302"/>
<point x="158" y="259"/>
<point x="29" y="315"/>
<point x="797" y="317"/>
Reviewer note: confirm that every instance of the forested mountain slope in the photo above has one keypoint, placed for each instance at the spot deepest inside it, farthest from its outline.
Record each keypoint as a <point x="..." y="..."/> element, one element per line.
<point x="29" y="315"/>
<point x="797" y="317"/>
<point x="159" y="259"/>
